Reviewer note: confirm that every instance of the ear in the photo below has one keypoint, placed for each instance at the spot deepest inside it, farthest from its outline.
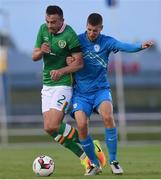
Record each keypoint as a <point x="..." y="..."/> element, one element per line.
<point x="101" y="27"/>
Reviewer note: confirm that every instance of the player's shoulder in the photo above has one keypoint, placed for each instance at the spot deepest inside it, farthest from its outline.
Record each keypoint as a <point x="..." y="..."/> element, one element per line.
<point x="107" y="39"/>
<point x="82" y="36"/>
<point x="43" y="27"/>
<point x="103" y="36"/>
<point x="69" y="28"/>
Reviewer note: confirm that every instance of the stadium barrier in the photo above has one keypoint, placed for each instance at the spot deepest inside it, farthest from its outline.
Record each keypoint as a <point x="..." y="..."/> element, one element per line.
<point x="27" y="127"/>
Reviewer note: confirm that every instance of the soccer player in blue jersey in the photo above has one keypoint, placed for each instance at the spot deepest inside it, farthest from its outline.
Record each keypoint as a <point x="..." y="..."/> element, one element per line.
<point x="92" y="89"/>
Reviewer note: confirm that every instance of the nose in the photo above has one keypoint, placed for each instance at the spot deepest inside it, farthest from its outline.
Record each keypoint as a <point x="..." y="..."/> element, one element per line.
<point x="91" y="33"/>
<point x="49" y="25"/>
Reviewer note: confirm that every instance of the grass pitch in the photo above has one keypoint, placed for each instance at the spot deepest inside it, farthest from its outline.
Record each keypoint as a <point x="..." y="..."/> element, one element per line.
<point x="139" y="162"/>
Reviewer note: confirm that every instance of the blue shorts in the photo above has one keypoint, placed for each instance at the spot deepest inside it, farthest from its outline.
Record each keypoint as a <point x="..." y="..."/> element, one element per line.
<point x="88" y="102"/>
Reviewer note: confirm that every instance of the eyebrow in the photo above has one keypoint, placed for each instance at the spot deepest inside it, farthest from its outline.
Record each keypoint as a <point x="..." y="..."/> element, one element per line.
<point x="92" y="29"/>
<point x="50" y="21"/>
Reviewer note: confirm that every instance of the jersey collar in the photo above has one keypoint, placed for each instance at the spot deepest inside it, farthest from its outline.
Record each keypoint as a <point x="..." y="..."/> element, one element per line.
<point x="62" y="29"/>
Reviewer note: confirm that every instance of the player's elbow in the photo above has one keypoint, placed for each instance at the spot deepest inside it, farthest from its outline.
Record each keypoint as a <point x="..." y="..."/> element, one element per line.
<point x="34" y="58"/>
<point x="37" y="55"/>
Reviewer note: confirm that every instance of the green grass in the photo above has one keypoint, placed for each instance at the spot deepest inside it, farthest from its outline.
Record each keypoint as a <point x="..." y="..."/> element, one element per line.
<point x="137" y="161"/>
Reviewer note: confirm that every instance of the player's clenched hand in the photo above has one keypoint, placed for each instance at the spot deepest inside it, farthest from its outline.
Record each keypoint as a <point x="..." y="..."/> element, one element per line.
<point x="147" y="44"/>
<point x="45" y="48"/>
<point x="55" y="74"/>
<point x="69" y="60"/>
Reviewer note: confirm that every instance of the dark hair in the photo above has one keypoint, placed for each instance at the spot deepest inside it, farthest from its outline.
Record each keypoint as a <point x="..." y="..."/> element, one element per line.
<point x="95" y="19"/>
<point x="54" y="10"/>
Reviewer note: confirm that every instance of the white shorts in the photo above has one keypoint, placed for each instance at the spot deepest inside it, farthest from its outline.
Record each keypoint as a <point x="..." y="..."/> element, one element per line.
<point x="57" y="97"/>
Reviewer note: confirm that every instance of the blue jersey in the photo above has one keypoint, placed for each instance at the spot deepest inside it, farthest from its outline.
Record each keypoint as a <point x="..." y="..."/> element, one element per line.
<point x="95" y="54"/>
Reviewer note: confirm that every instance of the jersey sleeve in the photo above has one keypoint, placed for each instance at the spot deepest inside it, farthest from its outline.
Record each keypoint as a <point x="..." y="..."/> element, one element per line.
<point x="116" y="46"/>
<point x="39" y="39"/>
<point x="73" y="42"/>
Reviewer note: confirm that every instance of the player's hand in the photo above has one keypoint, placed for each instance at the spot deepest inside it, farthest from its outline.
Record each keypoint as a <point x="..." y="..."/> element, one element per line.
<point x="69" y="60"/>
<point x="56" y="74"/>
<point x="147" y="44"/>
<point x="45" y="48"/>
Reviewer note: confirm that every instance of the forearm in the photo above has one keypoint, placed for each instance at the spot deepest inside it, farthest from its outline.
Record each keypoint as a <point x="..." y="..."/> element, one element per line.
<point x="72" y="68"/>
<point x="129" y="47"/>
<point x="37" y="55"/>
<point x="76" y="63"/>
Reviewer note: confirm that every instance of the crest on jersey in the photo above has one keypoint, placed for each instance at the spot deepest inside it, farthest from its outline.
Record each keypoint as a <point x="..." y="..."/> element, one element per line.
<point x="62" y="43"/>
<point x="75" y="105"/>
<point x="96" y="47"/>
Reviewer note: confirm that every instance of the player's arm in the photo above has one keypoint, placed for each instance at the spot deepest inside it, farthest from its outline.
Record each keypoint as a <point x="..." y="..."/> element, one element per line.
<point x="39" y="52"/>
<point x="41" y="47"/>
<point x="127" y="47"/>
<point x="76" y="62"/>
<point x="75" y="65"/>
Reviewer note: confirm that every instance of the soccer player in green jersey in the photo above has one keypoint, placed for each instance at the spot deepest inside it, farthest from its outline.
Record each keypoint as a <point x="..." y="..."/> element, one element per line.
<point x="55" y="42"/>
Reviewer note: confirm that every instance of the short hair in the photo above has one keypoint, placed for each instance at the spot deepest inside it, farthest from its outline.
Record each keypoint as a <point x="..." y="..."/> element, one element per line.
<point x="95" y="19"/>
<point x="52" y="9"/>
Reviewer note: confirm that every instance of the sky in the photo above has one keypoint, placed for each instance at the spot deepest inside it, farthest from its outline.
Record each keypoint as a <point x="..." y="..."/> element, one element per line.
<point x="129" y="21"/>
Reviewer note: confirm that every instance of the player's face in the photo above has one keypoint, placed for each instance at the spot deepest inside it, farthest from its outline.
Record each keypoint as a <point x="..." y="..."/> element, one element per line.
<point x="93" y="31"/>
<point x="54" y="23"/>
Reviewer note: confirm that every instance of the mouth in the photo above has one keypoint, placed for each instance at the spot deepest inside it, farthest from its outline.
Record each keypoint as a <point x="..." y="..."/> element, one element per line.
<point x="92" y="38"/>
<point x="52" y="30"/>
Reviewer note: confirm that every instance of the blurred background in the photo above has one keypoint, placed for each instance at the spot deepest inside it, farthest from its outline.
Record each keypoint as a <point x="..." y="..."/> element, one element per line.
<point x="135" y="78"/>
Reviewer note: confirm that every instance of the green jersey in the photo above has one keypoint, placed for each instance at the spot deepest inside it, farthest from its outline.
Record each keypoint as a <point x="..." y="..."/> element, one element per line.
<point x="62" y="44"/>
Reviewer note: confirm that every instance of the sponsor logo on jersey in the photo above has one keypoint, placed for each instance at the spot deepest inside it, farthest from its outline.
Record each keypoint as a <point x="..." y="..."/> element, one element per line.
<point x="96" y="47"/>
<point x="62" y="43"/>
<point x="46" y="38"/>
